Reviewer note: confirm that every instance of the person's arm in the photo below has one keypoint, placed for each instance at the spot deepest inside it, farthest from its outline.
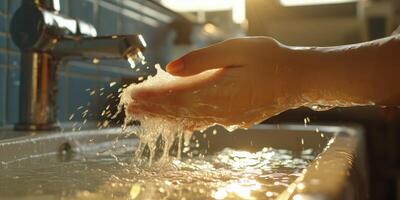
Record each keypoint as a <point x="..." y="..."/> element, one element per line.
<point x="257" y="77"/>
<point x="365" y="73"/>
<point x="357" y="74"/>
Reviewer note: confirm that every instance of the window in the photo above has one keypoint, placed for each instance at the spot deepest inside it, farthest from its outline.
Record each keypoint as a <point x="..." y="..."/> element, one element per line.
<point x="237" y="7"/>
<point x="312" y="2"/>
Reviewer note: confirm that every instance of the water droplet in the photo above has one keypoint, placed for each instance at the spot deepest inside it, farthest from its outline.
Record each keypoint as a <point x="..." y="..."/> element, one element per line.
<point x="269" y="194"/>
<point x="113" y="83"/>
<point x="95" y="61"/>
<point x="321" y="108"/>
<point x="135" y="191"/>
<point x="132" y="62"/>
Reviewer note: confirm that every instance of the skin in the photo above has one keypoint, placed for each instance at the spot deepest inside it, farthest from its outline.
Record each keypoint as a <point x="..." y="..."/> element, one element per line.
<point x="254" y="78"/>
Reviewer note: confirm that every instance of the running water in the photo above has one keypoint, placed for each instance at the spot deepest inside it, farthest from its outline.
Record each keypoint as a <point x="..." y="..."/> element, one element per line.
<point x="151" y="128"/>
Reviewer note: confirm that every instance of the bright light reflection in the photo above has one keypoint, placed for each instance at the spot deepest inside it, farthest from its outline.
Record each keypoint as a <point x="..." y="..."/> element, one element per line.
<point x="239" y="11"/>
<point x="142" y="40"/>
<point x="242" y="189"/>
<point x="300" y="186"/>
<point x="312" y="2"/>
<point x="244" y="160"/>
<point x="298" y="197"/>
<point x="135" y="191"/>
<point x="238" y="7"/>
<point x="209" y="28"/>
<point x="131" y="61"/>
<point x="198" y="5"/>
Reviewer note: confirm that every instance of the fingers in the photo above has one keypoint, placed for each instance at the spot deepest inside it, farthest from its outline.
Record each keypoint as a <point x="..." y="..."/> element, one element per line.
<point x="178" y="86"/>
<point x="220" y="55"/>
<point x="173" y="94"/>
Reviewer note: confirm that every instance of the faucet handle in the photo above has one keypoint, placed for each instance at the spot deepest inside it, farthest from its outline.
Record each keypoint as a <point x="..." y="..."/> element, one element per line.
<point x="36" y="25"/>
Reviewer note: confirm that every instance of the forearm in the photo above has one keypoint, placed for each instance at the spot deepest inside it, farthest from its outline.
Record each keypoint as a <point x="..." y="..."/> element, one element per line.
<point x="366" y="73"/>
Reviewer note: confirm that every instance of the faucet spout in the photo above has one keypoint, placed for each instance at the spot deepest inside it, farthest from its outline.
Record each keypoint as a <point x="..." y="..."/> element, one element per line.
<point x="108" y="47"/>
<point x="45" y="37"/>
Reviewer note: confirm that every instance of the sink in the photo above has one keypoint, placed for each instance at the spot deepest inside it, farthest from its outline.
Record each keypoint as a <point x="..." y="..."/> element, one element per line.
<point x="337" y="172"/>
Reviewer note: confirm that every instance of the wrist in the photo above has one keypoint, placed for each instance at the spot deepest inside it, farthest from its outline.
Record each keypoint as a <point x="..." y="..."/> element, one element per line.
<point x="289" y="76"/>
<point x="330" y="76"/>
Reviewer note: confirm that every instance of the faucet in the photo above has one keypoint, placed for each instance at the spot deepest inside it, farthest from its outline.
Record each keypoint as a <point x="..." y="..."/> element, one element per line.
<point x="45" y="37"/>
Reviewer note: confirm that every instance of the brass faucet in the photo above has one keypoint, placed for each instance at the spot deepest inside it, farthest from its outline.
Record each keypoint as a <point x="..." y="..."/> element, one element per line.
<point x="45" y="37"/>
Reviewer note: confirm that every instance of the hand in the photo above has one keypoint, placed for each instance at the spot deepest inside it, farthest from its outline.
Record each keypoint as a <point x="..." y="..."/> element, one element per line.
<point x="238" y="82"/>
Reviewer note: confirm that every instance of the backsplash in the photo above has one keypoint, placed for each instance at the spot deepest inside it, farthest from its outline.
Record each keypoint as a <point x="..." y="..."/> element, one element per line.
<point x="76" y="78"/>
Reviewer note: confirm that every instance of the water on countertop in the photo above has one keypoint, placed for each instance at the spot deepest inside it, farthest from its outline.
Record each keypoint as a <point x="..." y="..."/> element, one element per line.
<point x="228" y="174"/>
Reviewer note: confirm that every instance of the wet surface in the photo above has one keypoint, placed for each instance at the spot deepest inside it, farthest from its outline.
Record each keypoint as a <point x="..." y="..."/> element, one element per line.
<point x="227" y="174"/>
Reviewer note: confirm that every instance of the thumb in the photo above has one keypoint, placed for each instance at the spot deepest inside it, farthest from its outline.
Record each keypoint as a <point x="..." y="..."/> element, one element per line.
<point x="216" y="56"/>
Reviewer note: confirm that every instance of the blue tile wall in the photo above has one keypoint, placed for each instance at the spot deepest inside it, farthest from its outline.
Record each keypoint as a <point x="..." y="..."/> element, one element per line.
<point x="108" y="21"/>
<point x="82" y="10"/>
<point x="3" y="57"/>
<point x="3" y="7"/>
<point x="62" y="92"/>
<point x="12" y="95"/>
<point x="79" y="95"/>
<point x="3" y="41"/>
<point x="3" y="89"/>
<point x="3" y="22"/>
<point x="12" y="6"/>
<point x="110" y="17"/>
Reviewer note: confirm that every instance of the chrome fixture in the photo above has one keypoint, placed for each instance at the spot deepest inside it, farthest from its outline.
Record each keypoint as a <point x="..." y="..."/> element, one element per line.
<point x="45" y="37"/>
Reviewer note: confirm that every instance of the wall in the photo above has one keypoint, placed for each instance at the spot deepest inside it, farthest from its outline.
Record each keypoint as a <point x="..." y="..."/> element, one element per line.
<point x="75" y="77"/>
<point x="322" y="25"/>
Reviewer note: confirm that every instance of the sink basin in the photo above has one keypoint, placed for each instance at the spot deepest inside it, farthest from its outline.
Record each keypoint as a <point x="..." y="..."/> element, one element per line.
<point x="63" y="162"/>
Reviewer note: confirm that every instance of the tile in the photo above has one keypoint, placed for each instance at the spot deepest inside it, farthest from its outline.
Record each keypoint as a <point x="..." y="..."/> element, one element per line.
<point x="78" y="96"/>
<point x="3" y="6"/>
<point x="108" y="75"/>
<point x="3" y="57"/>
<point x="130" y="26"/>
<point x="12" y="45"/>
<point x="3" y="41"/>
<point x="113" y="101"/>
<point x="115" y="63"/>
<point x="14" y="59"/>
<point x="3" y="89"/>
<point x="82" y="68"/>
<point x="82" y="10"/>
<point x="62" y="95"/>
<point x="3" y="24"/>
<point x="159" y="48"/>
<point x="13" y="5"/>
<point x="103" y="101"/>
<point x="108" y="22"/>
<point x="13" y="84"/>
<point x="64" y="7"/>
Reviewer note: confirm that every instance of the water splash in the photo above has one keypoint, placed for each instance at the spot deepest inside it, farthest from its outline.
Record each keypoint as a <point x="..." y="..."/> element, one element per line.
<point x="232" y="174"/>
<point x="151" y="128"/>
<point x="136" y="57"/>
<point x="321" y="107"/>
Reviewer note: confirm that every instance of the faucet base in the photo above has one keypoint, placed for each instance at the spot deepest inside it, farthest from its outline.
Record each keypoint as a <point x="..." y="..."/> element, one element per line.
<point x="38" y="92"/>
<point x="36" y="127"/>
